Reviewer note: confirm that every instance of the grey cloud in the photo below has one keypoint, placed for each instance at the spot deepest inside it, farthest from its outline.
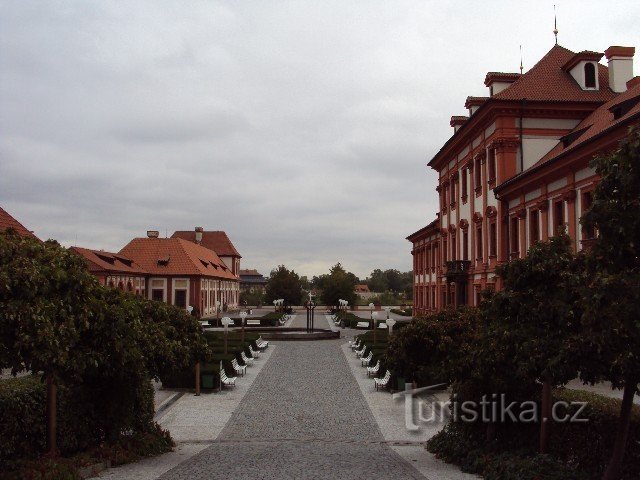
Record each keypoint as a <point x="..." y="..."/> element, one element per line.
<point x="301" y="128"/>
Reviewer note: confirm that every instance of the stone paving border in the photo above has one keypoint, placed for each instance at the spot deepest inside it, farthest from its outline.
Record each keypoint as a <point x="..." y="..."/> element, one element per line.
<point x="194" y="423"/>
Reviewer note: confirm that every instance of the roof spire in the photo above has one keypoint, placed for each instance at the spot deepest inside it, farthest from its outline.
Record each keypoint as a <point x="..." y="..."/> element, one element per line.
<point x="521" y="68"/>
<point x="555" y="24"/>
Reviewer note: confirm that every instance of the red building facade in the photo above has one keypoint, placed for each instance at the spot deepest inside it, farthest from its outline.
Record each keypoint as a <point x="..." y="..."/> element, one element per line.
<point x="516" y="169"/>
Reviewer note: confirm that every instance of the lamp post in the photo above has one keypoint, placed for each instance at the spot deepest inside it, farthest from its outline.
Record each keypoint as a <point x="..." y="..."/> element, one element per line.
<point x="243" y="316"/>
<point x="217" y="313"/>
<point x="226" y="321"/>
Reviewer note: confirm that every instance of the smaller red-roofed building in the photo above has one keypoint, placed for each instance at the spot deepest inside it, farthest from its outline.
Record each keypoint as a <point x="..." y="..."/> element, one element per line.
<point x="184" y="273"/>
<point x="114" y="270"/>
<point x="8" y="222"/>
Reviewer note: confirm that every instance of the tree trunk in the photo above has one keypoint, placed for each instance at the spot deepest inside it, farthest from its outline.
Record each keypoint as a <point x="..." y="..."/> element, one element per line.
<point x="52" y="450"/>
<point x="619" y="447"/>
<point x="545" y="421"/>
<point x="197" y="378"/>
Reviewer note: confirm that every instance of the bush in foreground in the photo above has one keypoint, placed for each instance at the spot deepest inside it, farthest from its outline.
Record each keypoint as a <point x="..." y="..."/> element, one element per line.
<point x="579" y="450"/>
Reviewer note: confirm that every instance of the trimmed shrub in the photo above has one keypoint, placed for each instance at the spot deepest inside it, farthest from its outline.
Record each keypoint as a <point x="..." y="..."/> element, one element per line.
<point x="23" y="421"/>
<point x="578" y="450"/>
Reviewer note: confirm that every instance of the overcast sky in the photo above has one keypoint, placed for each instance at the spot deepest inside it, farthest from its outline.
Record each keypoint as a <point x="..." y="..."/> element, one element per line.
<point x="300" y="128"/>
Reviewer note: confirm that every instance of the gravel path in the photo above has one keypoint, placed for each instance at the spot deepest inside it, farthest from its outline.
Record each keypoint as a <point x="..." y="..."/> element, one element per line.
<point x="304" y="417"/>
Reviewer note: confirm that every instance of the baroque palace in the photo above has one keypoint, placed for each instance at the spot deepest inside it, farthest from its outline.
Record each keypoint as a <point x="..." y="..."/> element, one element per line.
<point x="516" y="169"/>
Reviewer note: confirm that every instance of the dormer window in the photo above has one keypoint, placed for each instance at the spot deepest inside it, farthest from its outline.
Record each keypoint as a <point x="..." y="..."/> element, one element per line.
<point x="589" y="75"/>
<point x="583" y="67"/>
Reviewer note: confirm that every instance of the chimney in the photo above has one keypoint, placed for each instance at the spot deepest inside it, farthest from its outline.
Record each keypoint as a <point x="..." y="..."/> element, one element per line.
<point x="620" y="60"/>
<point x="153" y="233"/>
<point x="199" y="231"/>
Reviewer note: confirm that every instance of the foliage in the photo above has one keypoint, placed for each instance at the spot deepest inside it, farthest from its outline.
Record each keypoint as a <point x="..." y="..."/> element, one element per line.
<point x="385" y="298"/>
<point x="22" y="419"/>
<point x="102" y="344"/>
<point x="391" y="280"/>
<point x="45" y="292"/>
<point x="252" y="298"/>
<point x="338" y="285"/>
<point x="611" y="325"/>
<point x="427" y="349"/>
<point x="284" y="283"/>
<point x="539" y="311"/>
<point x="126" y="449"/>
<point x="611" y="322"/>
<point x="580" y="450"/>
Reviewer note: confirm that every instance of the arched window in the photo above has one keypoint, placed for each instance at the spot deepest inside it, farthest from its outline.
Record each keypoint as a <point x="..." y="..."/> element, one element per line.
<point x="589" y="75"/>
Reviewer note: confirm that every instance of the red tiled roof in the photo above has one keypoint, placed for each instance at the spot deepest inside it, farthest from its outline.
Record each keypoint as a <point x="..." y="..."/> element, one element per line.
<point x="458" y="120"/>
<point x="431" y="226"/>
<point x="587" y="55"/>
<point x="176" y="256"/>
<point x="362" y="288"/>
<point x="214" y="240"/>
<point x="500" y="77"/>
<point x="475" y="101"/>
<point x="99" y="260"/>
<point x="547" y="81"/>
<point x="7" y="221"/>
<point x="597" y="122"/>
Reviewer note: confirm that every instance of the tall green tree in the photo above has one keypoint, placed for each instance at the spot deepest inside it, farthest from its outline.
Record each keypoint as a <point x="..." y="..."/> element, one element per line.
<point x="55" y="318"/>
<point x="611" y="321"/>
<point x="46" y="293"/>
<point x="338" y="285"/>
<point x="539" y="307"/>
<point x="284" y="283"/>
<point x="377" y="281"/>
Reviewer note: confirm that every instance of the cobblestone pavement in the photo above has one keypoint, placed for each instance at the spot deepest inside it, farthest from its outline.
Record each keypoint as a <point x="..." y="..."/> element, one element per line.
<point x="304" y="417"/>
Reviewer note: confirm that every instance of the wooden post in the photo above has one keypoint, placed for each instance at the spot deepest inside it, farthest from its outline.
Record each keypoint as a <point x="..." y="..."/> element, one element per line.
<point x="51" y="416"/>
<point x="546" y="419"/>
<point x="197" y="378"/>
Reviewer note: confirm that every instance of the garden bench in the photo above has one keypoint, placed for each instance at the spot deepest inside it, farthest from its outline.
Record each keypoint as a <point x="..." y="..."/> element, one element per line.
<point x="360" y="353"/>
<point x="355" y="344"/>
<point x="262" y="344"/>
<point x="245" y="359"/>
<point x="253" y="322"/>
<point x="240" y="369"/>
<point x="227" y="381"/>
<point x="384" y="381"/>
<point x="367" y="359"/>
<point x="373" y="371"/>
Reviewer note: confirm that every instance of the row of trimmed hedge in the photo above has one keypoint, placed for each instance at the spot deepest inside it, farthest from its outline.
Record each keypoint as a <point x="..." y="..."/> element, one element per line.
<point x="185" y="378"/>
<point x="81" y="424"/>
<point x="580" y="450"/>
